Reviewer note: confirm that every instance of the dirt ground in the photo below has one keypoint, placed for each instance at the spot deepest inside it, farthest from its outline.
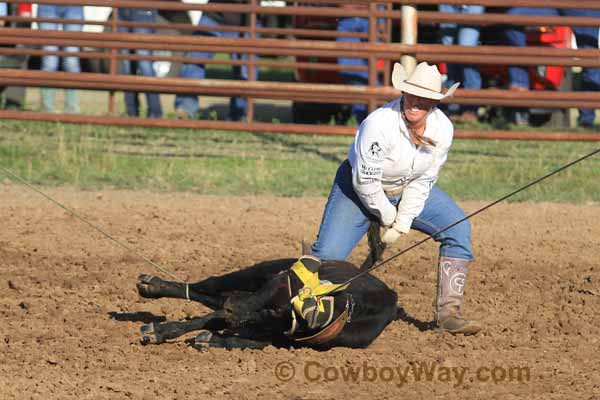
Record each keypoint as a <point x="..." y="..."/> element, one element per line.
<point x="70" y="314"/>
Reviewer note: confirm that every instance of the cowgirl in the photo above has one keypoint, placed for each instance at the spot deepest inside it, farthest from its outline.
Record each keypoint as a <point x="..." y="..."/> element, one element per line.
<point x="390" y="177"/>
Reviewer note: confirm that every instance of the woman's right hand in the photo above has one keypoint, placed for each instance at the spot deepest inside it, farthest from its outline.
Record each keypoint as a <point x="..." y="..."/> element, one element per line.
<point x="391" y="235"/>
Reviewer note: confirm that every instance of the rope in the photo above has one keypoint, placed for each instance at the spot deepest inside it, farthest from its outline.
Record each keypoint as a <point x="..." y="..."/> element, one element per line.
<point x="73" y="213"/>
<point x="364" y="272"/>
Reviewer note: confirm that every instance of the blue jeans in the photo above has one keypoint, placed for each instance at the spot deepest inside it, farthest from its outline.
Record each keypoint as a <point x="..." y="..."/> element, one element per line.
<point x="587" y="37"/>
<point x="50" y="63"/>
<point x="354" y="25"/>
<point x="346" y="220"/>
<point x="465" y="35"/>
<point x="144" y="67"/>
<point x="189" y="103"/>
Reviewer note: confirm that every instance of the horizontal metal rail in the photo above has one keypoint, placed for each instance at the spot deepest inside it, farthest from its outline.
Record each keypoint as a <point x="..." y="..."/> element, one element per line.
<point x="282" y="128"/>
<point x="308" y="48"/>
<point x="185" y="27"/>
<point x="424" y="17"/>
<point x="318" y="93"/>
<point x="581" y="4"/>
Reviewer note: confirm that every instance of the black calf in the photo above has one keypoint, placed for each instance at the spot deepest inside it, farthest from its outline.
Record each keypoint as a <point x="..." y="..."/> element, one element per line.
<point x="252" y="308"/>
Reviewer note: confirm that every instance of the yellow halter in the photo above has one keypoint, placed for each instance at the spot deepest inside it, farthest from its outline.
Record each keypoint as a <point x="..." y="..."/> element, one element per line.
<point x="308" y="302"/>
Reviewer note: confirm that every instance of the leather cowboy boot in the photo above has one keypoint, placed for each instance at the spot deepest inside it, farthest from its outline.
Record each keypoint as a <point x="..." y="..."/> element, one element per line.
<point x="452" y="276"/>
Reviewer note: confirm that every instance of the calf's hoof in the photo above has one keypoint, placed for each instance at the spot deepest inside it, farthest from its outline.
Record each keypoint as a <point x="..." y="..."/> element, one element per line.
<point x="149" y="335"/>
<point x="148" y="286"/>
<point x="202" y="341"/>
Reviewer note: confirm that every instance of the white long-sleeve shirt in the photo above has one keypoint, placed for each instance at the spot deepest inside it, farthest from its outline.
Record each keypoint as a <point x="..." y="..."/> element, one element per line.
<point x="384" y="158"/>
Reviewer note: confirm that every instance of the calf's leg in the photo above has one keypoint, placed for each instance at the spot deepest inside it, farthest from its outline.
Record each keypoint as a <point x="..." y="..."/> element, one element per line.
<point x="248" y="279"/>
<point x="211" y="339"/>
<point x="213" y="291"/>
<point x="153" y="287"/>
<point x="156" y="333"/>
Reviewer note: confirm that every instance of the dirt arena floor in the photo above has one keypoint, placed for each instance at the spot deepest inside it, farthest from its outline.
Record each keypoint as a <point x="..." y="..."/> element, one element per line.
<point x="70" y="314"/>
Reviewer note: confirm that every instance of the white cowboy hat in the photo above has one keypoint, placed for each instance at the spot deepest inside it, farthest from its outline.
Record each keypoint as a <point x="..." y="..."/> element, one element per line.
<point x="425" y="81"/>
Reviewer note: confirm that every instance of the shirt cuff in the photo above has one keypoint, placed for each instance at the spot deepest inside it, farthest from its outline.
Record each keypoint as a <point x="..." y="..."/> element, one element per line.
<point x="388" y="216"/>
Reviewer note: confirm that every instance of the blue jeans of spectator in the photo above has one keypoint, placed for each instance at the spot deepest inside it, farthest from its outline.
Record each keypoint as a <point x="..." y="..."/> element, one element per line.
<point x="69" y="63"/>
<point x="346" y="220"/>
<point x="189" y="103"/>
<point x="587" y="37"/>
<point x="463" y="35"/>
<point x="354" y="25"/>
<point x="143" y="67"/>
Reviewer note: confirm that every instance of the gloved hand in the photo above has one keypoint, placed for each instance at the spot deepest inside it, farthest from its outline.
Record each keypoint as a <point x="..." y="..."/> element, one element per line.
<point x="391" y="235"/>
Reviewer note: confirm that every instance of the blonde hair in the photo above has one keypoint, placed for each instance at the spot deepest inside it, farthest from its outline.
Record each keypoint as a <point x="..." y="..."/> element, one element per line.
<point x="421" y="140"/>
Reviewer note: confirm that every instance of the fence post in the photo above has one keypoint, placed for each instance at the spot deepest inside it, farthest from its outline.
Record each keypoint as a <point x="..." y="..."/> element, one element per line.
<point x="251" y="64"/>
<point x="409" y="35"/>
<point x="113" y="61"/>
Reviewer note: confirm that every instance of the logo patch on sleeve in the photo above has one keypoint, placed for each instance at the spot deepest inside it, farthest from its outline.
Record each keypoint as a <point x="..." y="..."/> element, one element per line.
<point x="375" y="151"/>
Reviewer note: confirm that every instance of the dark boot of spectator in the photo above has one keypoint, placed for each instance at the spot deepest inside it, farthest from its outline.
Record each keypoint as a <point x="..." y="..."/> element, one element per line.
<point x="519" y="116"/>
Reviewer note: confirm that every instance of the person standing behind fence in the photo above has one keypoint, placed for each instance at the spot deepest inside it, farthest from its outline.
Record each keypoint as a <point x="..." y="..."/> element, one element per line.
<point x="186" y="106"/>
<point x="50" y="62"/>
<point x="142" y="67"/>
<point x="360" y="78"/>
<point x="462" y="35"/>
<point x="586" y="36"/>
<point x="14" y="96"/>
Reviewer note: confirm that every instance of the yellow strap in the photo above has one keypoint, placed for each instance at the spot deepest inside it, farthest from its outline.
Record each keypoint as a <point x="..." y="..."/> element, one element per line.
<point x="328" y="288"/>
<point x="310" y="279"/>
<point x="312" y="286"/>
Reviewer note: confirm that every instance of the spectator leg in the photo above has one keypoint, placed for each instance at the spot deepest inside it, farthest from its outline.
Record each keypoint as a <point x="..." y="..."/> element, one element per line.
<point x="237" y="104"/>
<point x="587" y="38"/>
<point x="448" y="33"/>
<point x="515" y="36"/>
<point x="49" y="64"/>
<point x="354" y="24"/>
<point x="185" y="103"/>
<point x="519" y="76"/>
<point x="130" y="97"/>
<point x="153" y="99"/>
<point x="132" y="104"/>
<point x="146" y="67"/>
<point x="71" y="63"/>
<point x="469" y="36"/>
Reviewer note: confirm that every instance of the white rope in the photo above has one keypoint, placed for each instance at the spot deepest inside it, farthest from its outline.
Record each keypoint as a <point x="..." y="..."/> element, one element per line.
<point x="73" y="213"/>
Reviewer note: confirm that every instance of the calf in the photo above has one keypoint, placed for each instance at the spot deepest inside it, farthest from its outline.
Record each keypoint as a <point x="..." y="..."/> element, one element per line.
<point x="255" y="307"/>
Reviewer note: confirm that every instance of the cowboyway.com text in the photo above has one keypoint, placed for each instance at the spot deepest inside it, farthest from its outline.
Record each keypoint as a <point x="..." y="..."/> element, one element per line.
<point x="402" y="374"/>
